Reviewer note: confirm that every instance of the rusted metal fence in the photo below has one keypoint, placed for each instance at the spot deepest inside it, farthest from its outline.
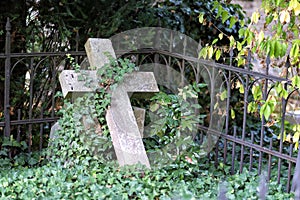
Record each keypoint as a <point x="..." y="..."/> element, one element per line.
<point x="244" y="141"/>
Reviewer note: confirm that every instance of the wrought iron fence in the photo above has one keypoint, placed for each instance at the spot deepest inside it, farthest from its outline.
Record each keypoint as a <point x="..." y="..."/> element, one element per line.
<point x="30" y="105"/>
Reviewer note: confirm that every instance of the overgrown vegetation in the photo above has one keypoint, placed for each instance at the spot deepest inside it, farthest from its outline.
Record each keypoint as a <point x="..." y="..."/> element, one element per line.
<point x="78" y="166"/>
<point x="51" y="26"/>
<point x="95" y="180"/>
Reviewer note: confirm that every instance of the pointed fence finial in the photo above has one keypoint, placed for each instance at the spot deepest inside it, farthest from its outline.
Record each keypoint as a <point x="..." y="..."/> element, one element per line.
<point x="8" y="26"/>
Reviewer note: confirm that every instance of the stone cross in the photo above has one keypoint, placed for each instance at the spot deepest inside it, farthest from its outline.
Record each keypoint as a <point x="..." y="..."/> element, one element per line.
<point x="121" y="121"/>
<point x="124" y="122"/>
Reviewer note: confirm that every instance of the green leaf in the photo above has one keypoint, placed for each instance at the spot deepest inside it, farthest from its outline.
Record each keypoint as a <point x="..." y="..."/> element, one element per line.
<point x="232" y="114"/>
<point x="225" y="16"/>
<point x="215" y="41"/>
<point x="252" y="107"/>
<point x="223" y="95"/>
<point x="257" y="93"/>
<point x="232" y="41"/>
<point x="232" y="21"/>
<point x="296" y="81"/>
<point x="201" y="18"/>
<point x="218" y="54"/>
<point x="265" y="111"/>
<point x="294" y="53"/>
<point x="203" y="53"/>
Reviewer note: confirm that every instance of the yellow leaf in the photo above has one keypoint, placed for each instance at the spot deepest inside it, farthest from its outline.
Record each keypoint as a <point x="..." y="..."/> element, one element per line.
<point x="218" y="54"/>
<point x="232" y="113"/>
<point x="210" y="52"/>
<point x="294" y="5"/>
<point x="296" y="137"/>
<point x="232" y="41"/>
<point x="261" y="36"/>
<point x="255" y="17"/>
<point x="285" y="16"/>
<point x="288" y="138"/>
<point x="201" y="18"/>
<point x="275" y="16"/>
<point x="297" y="9"/>
<point x="296" y="145"/>
<point x="221" y="36"/>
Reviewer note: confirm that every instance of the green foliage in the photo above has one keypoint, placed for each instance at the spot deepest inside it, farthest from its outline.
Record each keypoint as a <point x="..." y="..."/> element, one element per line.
<point x="277" y="41"/>
<point x="181" y="180"/>
<point x="177" y="113"/>
<point x="77" y="140"/>
<point x="47" y="19"/>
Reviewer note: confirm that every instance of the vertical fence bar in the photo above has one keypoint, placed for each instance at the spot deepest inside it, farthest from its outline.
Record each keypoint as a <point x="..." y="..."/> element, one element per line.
<point x="288" y="186"/>
<point x="233" y="152"/>
<point x="53" y="83"/>
<point x="7" y="79"/>
<point x="263" y="120"/>
<point x="19" y="127"/>
<point x="283" y="101"/>
<point x="227" y="106"/>
<point x="245" y="110"/>
<point x="41" y="129"/>
<point x="30" y="104"/>
<point x="77" y="45"/>
<point x="251" y="152"/>
<point x="170" y="60"/>
<point x="295" y="183"/>
<point x="270" y="160"/>
<point x="182" y="68"/>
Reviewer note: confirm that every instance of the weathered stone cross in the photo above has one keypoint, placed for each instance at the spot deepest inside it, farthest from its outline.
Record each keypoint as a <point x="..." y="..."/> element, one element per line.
<point x="125" y="125"/>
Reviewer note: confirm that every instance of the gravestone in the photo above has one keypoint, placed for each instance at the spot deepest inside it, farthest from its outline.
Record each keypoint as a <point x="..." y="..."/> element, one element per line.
<point x="125" y="125"/>
<point x="121" y="121"/>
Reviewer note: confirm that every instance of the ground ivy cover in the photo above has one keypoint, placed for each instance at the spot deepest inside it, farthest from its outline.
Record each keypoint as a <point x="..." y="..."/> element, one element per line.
<point x="93" y="180"/>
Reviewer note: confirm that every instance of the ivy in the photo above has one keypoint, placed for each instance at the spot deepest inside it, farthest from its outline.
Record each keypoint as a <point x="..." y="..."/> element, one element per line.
<point x="75" y="143"/>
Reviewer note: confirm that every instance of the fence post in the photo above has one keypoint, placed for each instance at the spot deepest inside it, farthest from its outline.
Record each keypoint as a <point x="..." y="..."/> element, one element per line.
<point x="7" y="79"/>
<point x="295" y="183"/>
